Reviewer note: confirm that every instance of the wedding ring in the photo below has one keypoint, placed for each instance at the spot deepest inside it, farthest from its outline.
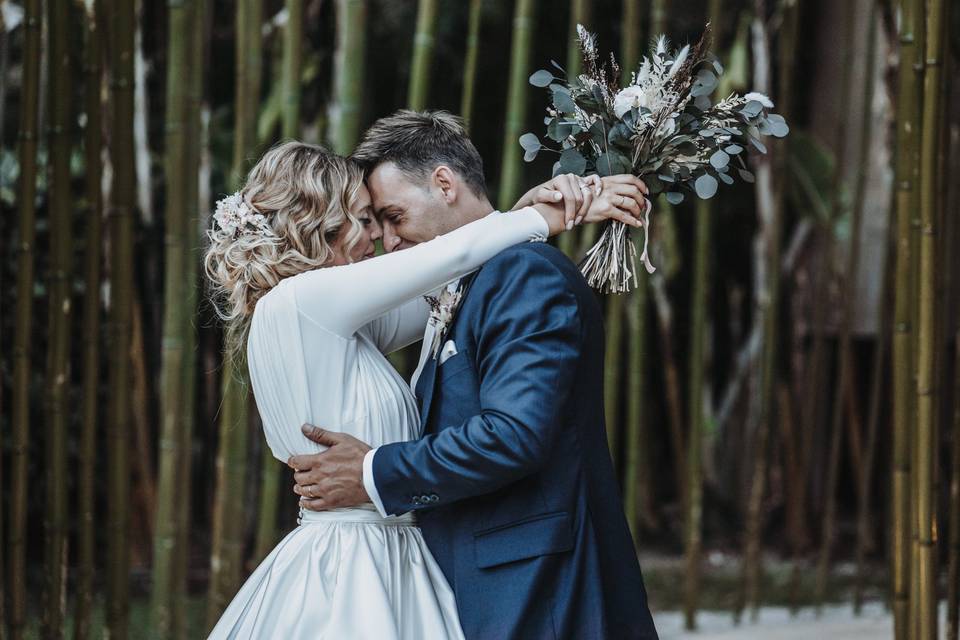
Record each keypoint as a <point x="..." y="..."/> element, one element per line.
<point x="622" y="200"/>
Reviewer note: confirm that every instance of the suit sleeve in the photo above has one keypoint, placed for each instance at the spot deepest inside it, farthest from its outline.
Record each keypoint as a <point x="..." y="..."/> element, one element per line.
<point x="528" y="344"/>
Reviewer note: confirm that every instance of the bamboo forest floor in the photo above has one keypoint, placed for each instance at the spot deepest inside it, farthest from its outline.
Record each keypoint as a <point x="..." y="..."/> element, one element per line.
<point x="720" y="583"/>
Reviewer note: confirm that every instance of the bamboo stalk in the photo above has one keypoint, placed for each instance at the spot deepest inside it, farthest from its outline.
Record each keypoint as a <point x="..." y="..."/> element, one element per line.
<point x="26" y="214"/>
<point x="694" y="465"/>
<point x="637" y="490"/>
<point x="907" y="117"/>
<point x="270" y="472"/>
<point x="865" y="475"/>
<point x="520" y="50"/>
<point x="60" y="312"/>
<point x="611" y="374"/>
<point x="925" y="442"/>
<point x="292" y="68"/>
<point x="671" y="381"/>
<point x="423" y="42"/>
<point x="348" y="75"/>
<point x="93" y="145"/>
<point x="844" y="356"/>
<point x="658" y="18"/>
<point x="470" y="62"/>
<point x="693" y="505"/>
<point x="953" y="571"/>
<point x="195" y="204"/>
<point x="176" y="315"/>
<point x="769" y="199"/>
<point x="580" y="14"/>
<point x="123" y="199"/>
<point x="226" y="556"/>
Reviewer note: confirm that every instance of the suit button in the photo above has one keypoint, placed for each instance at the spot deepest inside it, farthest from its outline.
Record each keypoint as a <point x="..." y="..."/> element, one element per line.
<point x="434" y="497"/>
<point x="416" y="499"/>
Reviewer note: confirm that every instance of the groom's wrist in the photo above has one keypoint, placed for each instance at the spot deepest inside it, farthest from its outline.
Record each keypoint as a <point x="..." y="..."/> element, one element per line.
<point x="369" y="483"/>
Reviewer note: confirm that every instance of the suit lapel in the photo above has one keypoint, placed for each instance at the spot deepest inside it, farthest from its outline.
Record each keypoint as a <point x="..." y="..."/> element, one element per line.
<point x="426" y="384"/>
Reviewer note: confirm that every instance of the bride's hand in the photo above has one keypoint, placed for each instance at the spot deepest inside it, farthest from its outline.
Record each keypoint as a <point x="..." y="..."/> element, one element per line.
<point x="573" y="193"/>
<point x="623" y="196"/>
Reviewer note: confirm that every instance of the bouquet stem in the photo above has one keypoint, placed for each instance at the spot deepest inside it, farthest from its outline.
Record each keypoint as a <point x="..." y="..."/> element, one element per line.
<point x="610" y="265"/>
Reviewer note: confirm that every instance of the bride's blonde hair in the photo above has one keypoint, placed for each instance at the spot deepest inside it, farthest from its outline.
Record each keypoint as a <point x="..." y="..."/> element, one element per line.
<point x="304" y="193"/>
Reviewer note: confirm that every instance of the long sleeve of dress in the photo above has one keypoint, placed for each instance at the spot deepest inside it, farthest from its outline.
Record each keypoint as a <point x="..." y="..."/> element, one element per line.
<point x="344" y="298"/>
<point x="401" y="326"/>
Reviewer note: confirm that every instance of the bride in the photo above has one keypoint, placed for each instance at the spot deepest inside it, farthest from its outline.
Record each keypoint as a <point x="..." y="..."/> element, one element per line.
<point x="291" y="260"/>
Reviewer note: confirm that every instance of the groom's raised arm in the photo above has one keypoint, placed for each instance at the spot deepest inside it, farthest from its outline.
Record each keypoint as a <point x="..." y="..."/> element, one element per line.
<point x="528" y="344"/>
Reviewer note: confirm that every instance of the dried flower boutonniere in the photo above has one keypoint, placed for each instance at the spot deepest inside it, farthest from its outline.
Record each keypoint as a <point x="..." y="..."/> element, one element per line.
<point x="442" y="310"/>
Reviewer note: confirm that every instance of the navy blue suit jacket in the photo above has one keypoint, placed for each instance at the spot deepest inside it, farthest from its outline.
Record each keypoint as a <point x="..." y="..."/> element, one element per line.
<point x="512" y="481"/>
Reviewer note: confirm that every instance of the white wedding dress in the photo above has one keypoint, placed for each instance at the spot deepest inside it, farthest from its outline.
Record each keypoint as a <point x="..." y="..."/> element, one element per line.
<point x="316" y="355"/>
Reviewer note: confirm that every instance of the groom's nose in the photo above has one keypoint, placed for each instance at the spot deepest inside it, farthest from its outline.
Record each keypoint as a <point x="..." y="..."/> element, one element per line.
<point x="391" y="241"/>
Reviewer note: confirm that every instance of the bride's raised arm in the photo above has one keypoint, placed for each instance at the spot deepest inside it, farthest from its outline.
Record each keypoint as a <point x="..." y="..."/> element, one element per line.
<point x="344" y="298"/>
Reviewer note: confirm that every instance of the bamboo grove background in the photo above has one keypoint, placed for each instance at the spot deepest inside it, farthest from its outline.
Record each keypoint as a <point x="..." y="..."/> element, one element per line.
<point x="782" y="395"/>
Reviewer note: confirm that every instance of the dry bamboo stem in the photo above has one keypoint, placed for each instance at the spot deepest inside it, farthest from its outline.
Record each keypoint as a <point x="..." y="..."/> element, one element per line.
<point x="520" y="51"/>
<point x="423" y="43"/>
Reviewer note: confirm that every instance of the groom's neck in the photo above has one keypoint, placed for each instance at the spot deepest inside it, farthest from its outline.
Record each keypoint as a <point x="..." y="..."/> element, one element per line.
<point x="475" y="209"/>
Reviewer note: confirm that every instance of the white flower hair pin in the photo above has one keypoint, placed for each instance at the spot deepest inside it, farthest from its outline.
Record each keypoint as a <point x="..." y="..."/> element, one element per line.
<point x="236" y="217"/>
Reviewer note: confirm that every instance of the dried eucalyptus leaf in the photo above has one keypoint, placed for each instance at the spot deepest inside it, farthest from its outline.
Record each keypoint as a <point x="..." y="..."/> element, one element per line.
<point x="733" y="149"/>
<point x="725" y="177"/>
<point x="562" y="100"/>
<point x="746" y="176"/>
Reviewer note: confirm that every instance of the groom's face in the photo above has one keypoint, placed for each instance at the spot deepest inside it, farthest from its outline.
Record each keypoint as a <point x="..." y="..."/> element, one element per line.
<point x="410" y="213"/>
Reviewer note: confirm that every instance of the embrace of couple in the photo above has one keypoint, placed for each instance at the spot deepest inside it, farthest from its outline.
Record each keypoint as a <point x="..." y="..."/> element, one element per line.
<point x="479" y="500"/>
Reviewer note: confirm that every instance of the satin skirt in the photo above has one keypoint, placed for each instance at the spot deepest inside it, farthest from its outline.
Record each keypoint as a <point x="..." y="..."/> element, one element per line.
<point x="341" y="574"/>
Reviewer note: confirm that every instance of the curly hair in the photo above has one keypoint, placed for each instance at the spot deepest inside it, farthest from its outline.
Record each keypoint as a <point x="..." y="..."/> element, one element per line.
<point x="305" y="193"/>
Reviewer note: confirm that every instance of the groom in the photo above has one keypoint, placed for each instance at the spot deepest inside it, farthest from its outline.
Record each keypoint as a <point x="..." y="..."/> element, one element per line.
<point x="512" y="480"/>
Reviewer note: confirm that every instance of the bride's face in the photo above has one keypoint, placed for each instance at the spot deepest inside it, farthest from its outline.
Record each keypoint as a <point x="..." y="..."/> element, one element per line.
<point x="370" y="232"/>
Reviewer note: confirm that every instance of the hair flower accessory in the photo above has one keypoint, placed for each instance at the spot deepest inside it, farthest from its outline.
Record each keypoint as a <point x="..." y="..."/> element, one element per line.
<point x="237" y="218"/>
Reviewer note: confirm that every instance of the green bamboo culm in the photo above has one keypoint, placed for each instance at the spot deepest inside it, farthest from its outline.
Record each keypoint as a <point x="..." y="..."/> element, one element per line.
<point x="836" y="424"/>
<point x="658" y="18"/>
<point x="292" y="68"/>
<point x="925" y="511"/>
<point x="470" y="62"/>
<point x="270" y="469"/>
<point x="579" y="14"/>
<point x="176" y="320"/>
<point x="611" y="373"/>
<point x="195" y="109"/>
<point x="693" y="505"/>
<point x="769" y="213"/>
<point x="423" y="43"/>
<point x="92" y="145"/>
<point x="249" y="53"/>
<point x="59" y="136"/>
<point x="26" y="214"/>
<point x="520" y="50"/>
<point x="696" y="377"/>
<point x="629" y="40"/>
<point x="908" y="125"/>
<point x="636" y="476"/>
<point x="851" y="277"/>
<point x="122" y="207"/>
<point x="226" y="554"/>
<point x="349" y="68"/>
<point x="953" y="571"/>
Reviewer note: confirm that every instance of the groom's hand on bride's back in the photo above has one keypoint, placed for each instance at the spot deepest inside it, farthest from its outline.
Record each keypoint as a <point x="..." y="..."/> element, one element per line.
<point x="333" y="478"/>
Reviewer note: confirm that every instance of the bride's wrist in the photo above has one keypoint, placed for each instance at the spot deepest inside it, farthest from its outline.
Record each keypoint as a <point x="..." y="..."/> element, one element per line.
<point x="553" y="215"/>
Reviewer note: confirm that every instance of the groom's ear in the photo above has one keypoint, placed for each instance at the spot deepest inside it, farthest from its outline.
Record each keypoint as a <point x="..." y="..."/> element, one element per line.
<point x="447" y="182"/>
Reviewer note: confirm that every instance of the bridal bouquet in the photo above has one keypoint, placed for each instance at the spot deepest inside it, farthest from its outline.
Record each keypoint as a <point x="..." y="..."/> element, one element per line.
<point x="662" y="127"/>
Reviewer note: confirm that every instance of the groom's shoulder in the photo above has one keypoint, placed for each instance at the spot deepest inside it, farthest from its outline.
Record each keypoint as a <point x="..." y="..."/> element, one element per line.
<point x="522" y="268"/>
<point x="532" y="255"/>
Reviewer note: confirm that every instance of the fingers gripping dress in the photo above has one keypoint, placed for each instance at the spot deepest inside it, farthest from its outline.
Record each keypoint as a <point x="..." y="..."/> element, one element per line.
<point x="316" y="355"/>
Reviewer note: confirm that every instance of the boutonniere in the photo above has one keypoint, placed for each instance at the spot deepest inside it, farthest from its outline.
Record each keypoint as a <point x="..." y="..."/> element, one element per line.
<point x="442" y="310"/>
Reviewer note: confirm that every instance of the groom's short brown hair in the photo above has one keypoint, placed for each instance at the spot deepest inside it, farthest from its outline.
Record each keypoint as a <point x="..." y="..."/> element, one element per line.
<point x="420" y="141"/>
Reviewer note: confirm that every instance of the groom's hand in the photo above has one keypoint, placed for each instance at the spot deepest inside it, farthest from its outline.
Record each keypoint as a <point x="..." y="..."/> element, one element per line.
<point x="333" y="478"/>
